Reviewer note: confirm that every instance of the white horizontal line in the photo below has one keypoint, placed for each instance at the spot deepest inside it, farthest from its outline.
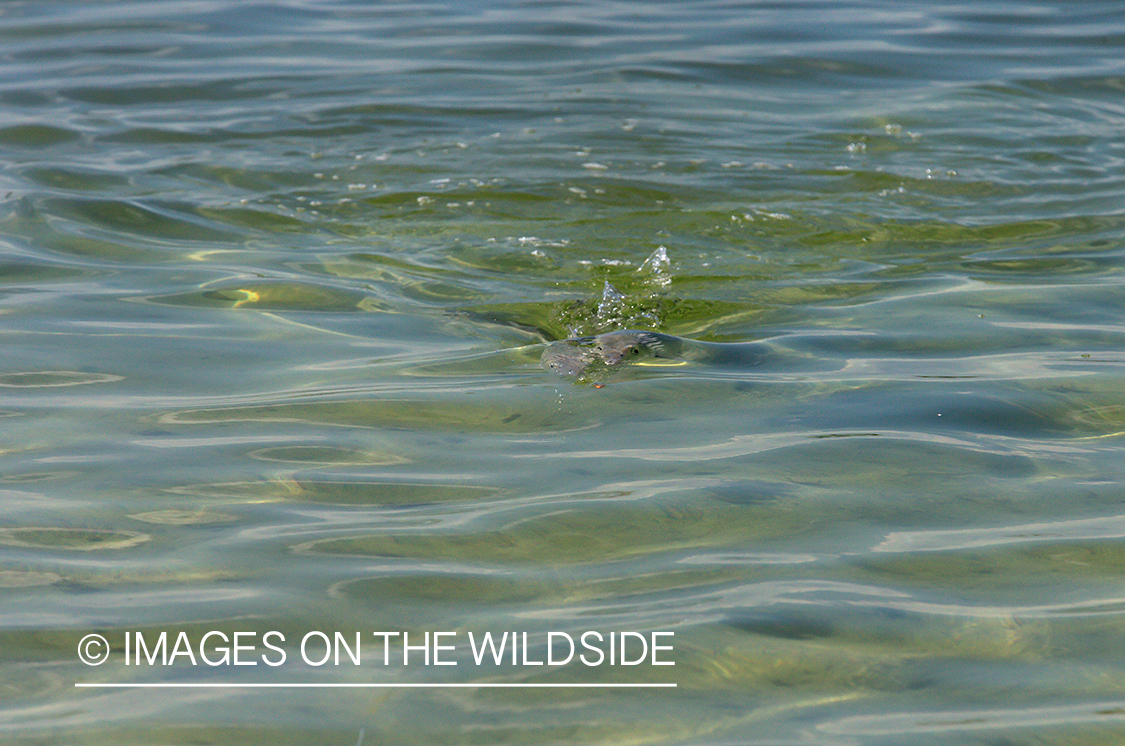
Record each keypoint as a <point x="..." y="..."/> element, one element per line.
<point x="373" y="685"/>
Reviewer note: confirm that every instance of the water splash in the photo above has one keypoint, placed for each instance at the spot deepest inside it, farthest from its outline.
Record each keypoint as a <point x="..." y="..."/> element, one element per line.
<point x="658" y="266"/>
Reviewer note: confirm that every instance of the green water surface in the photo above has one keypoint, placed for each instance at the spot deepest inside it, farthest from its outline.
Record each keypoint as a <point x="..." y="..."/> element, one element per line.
<point x="274" y="284"/>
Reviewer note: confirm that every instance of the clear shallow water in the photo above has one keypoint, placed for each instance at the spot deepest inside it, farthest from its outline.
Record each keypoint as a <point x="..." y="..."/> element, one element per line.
<point x="275" y="281"/>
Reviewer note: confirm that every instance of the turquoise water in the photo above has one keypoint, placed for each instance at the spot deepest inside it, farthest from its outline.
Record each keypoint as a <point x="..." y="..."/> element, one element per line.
<point x="274" y="285"/>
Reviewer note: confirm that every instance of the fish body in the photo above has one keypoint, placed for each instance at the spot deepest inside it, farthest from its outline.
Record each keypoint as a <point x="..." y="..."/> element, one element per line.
<point x="584" y="356"/>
